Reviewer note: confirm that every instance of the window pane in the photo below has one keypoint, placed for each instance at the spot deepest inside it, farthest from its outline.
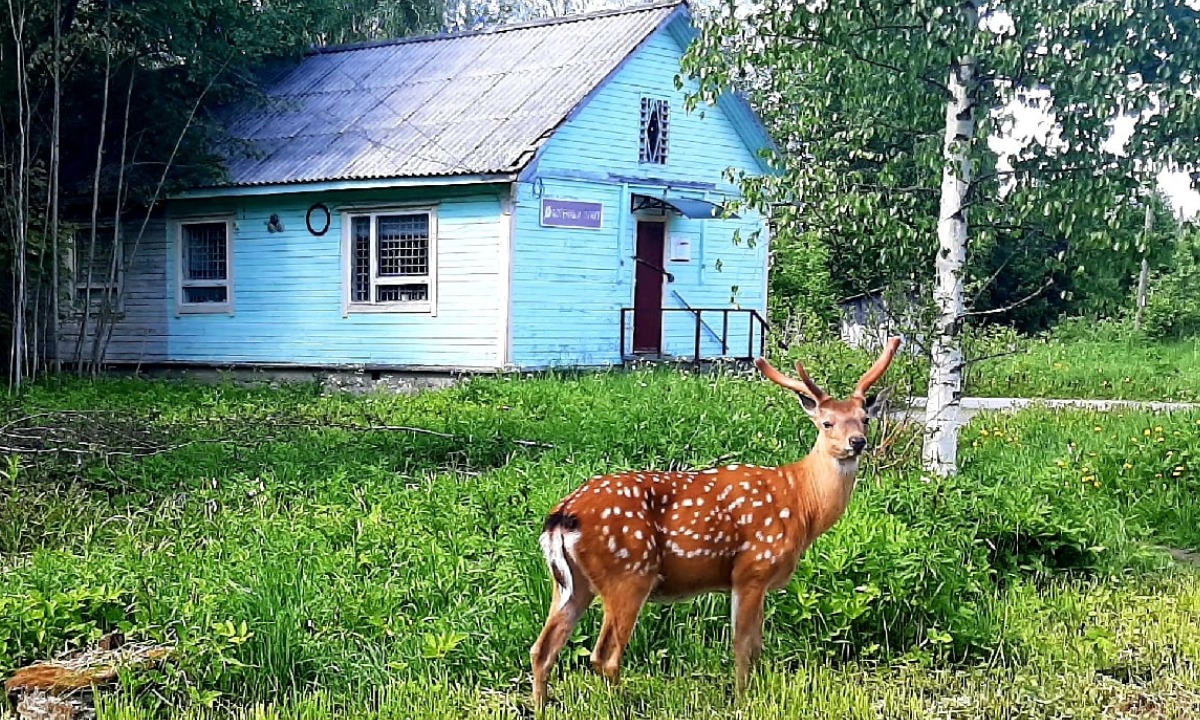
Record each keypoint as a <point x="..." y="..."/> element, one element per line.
<point x="360" y="254"/>
<point x="401" y="293"/>
<point x="403" y="245"/>
<point x="204" y="294"/>
<point x="655" y="130"/>
<point x="204" y="251"/>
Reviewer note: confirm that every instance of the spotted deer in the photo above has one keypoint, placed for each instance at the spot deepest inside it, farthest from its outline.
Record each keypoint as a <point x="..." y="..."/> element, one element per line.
<point x="633" y="537"/>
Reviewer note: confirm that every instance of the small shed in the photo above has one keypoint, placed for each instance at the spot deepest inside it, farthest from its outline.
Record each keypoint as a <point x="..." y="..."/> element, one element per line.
<point x="524" y="197"/>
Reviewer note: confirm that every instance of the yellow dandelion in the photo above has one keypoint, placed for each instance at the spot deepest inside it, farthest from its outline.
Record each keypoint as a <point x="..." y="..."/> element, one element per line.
<point x="1146" y="432"/>
<point x="1177" y="473"/>
<point x="984" y="432"/>
<point x="1128" y="466"/>
<point x="1097" y="429"/>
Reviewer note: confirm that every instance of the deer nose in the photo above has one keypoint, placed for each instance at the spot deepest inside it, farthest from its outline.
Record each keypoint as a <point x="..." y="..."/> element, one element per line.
<point x="857" y="443"/>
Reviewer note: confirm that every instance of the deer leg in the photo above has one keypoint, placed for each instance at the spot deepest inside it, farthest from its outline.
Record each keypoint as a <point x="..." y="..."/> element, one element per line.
<point x="747" y="612"/>
<point x="622" y="605"/>
<point x="559" y="625"/>
<point x="603" y="642"/>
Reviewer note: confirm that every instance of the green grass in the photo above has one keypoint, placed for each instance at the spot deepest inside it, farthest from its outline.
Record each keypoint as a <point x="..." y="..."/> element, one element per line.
<point x="1080" y="361"/>
<point x="307" y="564"/>
<point x="1114" y="368"/>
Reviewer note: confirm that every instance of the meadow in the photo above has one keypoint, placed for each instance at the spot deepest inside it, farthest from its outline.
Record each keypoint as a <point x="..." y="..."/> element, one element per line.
<point x="316" y="556"/>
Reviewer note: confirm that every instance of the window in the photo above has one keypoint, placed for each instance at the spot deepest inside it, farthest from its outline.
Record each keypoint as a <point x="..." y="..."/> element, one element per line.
<point x="204" y="268"/>
<point x="391" y="261"/>
<point x="656" y="123"/>
<point x="94" y="279"/>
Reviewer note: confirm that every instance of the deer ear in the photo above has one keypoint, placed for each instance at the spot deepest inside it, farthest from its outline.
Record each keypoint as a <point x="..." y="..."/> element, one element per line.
<point x="809" y="405"/>
<point x="877" y="402"/>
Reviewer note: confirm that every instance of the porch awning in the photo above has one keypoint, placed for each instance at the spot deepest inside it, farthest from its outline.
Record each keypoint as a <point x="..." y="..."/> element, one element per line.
<point x="688" y="207"/>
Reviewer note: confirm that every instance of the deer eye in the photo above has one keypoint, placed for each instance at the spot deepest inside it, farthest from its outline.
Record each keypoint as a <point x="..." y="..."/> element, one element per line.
<point x="827" y="424"/>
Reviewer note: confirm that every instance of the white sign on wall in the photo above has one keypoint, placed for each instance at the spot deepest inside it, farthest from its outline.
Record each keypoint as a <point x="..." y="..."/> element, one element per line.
<point x="681" y="247"/>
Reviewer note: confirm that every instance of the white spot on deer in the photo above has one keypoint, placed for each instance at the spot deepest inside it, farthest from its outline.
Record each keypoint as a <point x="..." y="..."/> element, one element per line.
<point x="616" y="510"/>
<point x="737" y="503"/>
<point x="769" y="498"/>
<point x="768" y="554"/>
<point x="604" y="530"/>
<point x="710" y="471"/>
<point x="637" y="534"/>
<point x="605" y="513"/>
<point x="767" y="522"/>
<point x="629" y="513"/>
<point x="622" y="553"/>
<point x="687" y="503"/>
<point x="699" y="502"/>
<point x="734" y="467"/>
<point x="757" y="503"/>
<point x="785" y="513"/>
<point x="612" y="544"/>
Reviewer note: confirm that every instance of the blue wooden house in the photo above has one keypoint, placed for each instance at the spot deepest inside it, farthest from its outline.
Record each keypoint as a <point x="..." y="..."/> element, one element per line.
<point x="523" y="197"/>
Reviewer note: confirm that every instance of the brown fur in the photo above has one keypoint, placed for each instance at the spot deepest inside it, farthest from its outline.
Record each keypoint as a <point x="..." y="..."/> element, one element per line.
<point x="635" y="537"/>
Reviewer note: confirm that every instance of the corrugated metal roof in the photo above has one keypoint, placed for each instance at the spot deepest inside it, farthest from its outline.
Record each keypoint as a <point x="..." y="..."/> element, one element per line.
<point x="466" y="104"/>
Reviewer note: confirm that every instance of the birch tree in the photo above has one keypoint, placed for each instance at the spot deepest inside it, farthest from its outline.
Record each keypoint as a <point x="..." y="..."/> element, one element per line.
<point x="898" y="120"/>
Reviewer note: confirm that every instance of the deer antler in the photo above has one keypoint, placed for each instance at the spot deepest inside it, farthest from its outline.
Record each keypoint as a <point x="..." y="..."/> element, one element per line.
<point x="871" y="376"/>
<point x="804" y="385"/>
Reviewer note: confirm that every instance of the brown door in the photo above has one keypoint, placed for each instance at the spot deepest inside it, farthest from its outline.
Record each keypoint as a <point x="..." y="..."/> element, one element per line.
<point x="648" y="288"/>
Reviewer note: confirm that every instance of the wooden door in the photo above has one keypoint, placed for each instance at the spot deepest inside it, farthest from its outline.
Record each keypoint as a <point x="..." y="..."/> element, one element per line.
<point x="648" y="288"/>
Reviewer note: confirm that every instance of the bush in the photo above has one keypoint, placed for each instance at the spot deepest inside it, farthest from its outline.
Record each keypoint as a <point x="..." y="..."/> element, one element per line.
<point x="1173" y="306"/>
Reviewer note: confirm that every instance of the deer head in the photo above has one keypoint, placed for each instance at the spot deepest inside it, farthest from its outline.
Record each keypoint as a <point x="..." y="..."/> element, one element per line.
<point x="841" y="424"/>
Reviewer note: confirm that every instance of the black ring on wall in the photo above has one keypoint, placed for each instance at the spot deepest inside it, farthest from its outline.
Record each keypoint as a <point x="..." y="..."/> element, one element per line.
<point x="308" y="219"/>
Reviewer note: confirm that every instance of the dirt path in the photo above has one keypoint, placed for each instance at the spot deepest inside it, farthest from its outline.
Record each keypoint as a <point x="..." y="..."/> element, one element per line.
<point x="972" y="406"/>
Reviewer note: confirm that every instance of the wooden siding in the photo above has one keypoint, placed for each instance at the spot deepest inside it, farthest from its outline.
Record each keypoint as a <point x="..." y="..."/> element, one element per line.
<point x="289" y="288"/>
<point x="605" y="133"/>
<point x="569" y="285"/>
<point x="140" y="334"/>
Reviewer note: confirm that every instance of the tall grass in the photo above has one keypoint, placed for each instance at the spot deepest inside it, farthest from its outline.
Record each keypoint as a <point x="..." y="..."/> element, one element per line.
<point x="291" y="551"/>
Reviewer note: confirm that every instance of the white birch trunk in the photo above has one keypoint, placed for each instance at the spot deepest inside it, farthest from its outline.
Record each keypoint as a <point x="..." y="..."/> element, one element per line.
<point x="1144" y="274"/>
<point x="939" y="453"/>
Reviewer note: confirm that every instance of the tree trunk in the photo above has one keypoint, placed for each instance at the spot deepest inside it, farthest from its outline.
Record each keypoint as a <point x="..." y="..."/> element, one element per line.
<point x="1144" y="275"/>
<point x="939" y="453"/>
<point x="55" y="162"/>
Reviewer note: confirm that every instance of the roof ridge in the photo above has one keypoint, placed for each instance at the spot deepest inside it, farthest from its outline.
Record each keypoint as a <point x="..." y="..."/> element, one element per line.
<point x="540" y="22"/>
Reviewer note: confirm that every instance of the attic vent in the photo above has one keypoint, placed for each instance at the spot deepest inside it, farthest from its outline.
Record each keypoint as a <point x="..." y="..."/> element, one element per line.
<point x="656" y="123"/>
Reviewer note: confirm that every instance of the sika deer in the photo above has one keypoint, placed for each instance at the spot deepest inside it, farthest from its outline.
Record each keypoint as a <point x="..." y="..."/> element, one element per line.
<point x="633" y="537"/>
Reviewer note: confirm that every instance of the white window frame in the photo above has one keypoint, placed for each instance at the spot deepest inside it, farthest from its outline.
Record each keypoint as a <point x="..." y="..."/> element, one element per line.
<point x="79" y="290"/>
<point x="371" y="305"/>
<point x="182" y="307"/>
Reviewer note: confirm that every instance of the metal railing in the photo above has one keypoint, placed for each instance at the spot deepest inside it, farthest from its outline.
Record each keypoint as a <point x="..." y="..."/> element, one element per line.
<point x="755" y="330"/>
